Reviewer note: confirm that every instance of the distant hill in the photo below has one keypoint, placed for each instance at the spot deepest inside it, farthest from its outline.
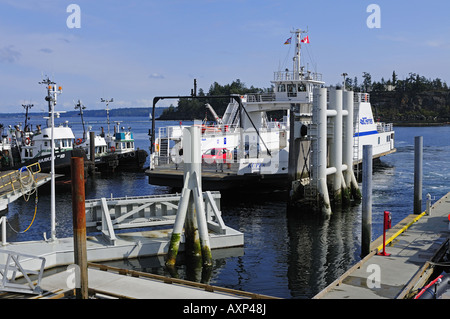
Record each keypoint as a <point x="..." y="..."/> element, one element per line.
<point x="130" y="111"/>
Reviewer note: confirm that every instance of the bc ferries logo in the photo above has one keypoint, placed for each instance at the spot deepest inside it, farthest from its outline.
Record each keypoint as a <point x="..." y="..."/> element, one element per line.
<point x="365" y="121"/>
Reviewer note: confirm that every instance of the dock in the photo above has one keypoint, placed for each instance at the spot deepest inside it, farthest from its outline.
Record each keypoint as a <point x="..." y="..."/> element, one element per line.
<point x="106" y="282"/>
<point x="414" y="245"/>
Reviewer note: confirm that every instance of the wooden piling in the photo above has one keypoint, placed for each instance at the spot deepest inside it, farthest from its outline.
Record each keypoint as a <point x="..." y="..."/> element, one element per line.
<point x="79" y="225"/>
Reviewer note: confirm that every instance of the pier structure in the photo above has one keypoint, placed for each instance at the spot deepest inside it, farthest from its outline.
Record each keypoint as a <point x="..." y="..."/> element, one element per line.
<point x="415" y="247"/>
<point x="331" y="134"/>
<point x="17" y="183"/>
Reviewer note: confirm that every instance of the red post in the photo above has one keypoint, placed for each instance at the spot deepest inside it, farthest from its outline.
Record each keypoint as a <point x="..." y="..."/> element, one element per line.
<point x="386" y="226"/>
<point x="79" y="224"/>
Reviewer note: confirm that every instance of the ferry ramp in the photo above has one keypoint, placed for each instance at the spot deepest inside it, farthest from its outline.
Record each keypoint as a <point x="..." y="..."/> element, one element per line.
<point x="414" y="245"/>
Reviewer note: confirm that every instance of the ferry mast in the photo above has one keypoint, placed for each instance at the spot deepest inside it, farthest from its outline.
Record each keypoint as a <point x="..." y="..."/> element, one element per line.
<point x="297" y="68"/>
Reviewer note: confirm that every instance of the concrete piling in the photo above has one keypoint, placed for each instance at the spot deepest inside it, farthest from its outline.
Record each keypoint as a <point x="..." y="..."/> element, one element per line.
<point x="79" y="225"/>
<point x="191" y="211"/>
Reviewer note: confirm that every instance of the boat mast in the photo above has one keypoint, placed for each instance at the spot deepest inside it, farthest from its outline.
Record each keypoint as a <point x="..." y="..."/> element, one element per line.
<point x="51" y="98"/>
<point x="81" y="107"/>
<point x="107" y="110"/>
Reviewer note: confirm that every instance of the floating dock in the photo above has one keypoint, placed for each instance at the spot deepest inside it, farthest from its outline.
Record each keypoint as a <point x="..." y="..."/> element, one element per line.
<point x="107" y="282"/>
<point x="414" y="245"/>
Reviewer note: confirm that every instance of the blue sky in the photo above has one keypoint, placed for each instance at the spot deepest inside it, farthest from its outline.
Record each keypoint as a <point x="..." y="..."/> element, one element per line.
<point x="137" y="49"/>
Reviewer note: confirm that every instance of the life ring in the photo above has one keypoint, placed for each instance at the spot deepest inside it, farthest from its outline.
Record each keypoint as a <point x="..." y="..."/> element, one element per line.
<point x="78" y="141"/>
<point x="27" y="141"/>
<point x="112" y="149"/>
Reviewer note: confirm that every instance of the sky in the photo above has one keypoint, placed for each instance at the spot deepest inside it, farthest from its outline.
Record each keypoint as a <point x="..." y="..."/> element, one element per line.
<point x="134" y="50"/>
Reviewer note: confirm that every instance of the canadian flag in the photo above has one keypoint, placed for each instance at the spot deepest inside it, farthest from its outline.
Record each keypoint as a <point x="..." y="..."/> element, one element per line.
<point x="305" y="40"/>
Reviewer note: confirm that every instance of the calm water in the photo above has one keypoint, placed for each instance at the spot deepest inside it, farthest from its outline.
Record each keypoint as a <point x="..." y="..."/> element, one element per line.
<point x="286" y="254"/>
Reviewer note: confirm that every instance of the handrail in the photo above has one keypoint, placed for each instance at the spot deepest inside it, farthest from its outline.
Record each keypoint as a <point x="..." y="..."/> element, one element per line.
<point x="14" y="176"/>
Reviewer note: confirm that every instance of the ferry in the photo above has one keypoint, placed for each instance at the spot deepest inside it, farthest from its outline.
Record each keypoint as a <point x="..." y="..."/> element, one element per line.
<point x="249" y="145"/>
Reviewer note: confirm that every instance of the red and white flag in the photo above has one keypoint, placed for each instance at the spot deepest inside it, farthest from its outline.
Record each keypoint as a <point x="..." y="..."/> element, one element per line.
<point x="305" y="40"/>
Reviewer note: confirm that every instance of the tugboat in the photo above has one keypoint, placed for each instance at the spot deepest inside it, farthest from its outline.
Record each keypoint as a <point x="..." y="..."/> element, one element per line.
<point x="28" y="147"/>
<point x="104" y="161"/>
<point x="121" y="144"/>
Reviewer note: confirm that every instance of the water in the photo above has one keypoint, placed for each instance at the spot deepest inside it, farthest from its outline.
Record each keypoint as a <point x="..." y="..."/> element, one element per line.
<point x="286" y="254"/>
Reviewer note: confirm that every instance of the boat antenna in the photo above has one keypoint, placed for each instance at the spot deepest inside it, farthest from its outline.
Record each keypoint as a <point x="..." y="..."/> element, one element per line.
<point x="107" y="109"/>
<point x="52" y="93"/>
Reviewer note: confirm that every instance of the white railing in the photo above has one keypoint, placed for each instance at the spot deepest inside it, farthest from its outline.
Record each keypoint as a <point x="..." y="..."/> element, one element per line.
<point x="108" y="215"/>
<point x="384" y="127"/>
<point x="361" y="97"/>
<point x="15" y="267"/>
<point x="293" y="76"/>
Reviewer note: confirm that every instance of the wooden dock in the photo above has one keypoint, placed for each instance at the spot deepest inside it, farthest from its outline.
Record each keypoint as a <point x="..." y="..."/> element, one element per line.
<point x="414" y="245"/>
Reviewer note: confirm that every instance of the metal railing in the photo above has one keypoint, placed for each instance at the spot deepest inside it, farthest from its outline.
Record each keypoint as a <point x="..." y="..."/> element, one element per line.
<point x="15" y="267"/>
<point x="293" y="76"/>
<point x="108" y="215"/>
<point x="16" y="176"/>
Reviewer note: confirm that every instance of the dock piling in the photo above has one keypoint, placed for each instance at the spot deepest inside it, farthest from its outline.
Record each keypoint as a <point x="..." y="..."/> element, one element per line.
<point x="191" y="198"/>
<point x="418" y="174"/>
<point x="366" y="231"/>
<point x="79" y="225"/>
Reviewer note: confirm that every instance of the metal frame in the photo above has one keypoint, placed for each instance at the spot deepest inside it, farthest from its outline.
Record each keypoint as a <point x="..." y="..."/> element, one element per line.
<point x="13" y="267"/>
<point x="108" y="215"/>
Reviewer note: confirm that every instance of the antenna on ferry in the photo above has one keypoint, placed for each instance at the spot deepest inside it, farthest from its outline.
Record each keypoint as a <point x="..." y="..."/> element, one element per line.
<point x="297" y="56"/>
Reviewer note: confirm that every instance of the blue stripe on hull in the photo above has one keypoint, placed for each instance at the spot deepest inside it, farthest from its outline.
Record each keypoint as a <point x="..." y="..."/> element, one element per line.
<point x="365" y="133"/>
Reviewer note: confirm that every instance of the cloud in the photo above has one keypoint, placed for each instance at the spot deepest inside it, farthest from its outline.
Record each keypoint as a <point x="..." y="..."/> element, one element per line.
<point x="8" y="54"/>
<point x="46" y="50"/>
<point x="156" y="76"/>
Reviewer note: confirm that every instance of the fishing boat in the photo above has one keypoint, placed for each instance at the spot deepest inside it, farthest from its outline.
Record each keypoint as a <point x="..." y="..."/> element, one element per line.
<point x="122" y="144"/>
<point x="255" y="129"/>
<point x="25" y="146"/>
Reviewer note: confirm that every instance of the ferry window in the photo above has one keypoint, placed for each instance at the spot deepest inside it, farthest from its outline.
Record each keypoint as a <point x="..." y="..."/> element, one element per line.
<point x="301" y="88"/>
<point x="45" y="143"/>
<point x="117" y="146"/>
<point x="281" y="88"/>
<point x="378" y="140"/>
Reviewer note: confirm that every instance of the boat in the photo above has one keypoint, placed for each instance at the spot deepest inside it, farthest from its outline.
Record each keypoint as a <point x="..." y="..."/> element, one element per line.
<point x="104" y="161"/>
<point x="256" y="129"/>
<point x="122" y="145"/>
<point x="25" y="146"/>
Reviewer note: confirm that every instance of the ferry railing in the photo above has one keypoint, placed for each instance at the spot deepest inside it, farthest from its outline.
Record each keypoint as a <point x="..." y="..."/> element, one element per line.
<point x="361" y="97"/>
<point x="108" y="215"/>
<point x="384" y="127"/>
<point x="15" y="267"/>
<point x="293" y="76"/>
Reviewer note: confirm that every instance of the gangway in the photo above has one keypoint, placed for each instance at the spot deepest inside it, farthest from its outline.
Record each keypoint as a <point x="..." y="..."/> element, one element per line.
<point x="17" y="183"/>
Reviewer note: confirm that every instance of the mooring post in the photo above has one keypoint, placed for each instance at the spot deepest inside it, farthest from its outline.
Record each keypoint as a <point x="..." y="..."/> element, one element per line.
<point x="79" y="225"/>
<point x="366" y="231"/>
<point x="418" y="174"/>
<point x="191" y="196"/>
<point x="324" y="199"/>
